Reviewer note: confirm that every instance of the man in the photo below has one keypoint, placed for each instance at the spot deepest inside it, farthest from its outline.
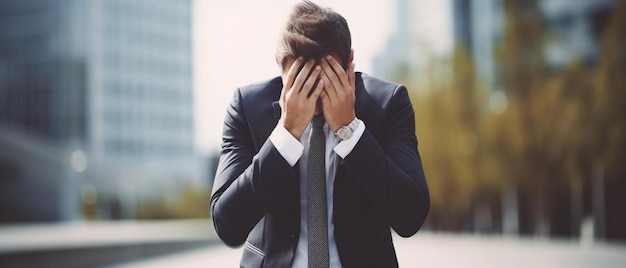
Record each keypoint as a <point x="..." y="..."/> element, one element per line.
<point x="318" y="165"/>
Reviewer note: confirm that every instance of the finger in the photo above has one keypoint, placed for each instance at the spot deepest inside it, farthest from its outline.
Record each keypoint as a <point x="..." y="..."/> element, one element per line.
<point x="324" y="95"/>
<point x="333" y="80"/>
<point x="341" y="73"/>
<point x="310" y="81"/>
<point x="329" y="88"/>
<point x="352" y="75"/>
<point x="293" y="71"/>
<point x="326" y="100"/>
<point x="302" y="75"/>
<point x="319" y="91"/>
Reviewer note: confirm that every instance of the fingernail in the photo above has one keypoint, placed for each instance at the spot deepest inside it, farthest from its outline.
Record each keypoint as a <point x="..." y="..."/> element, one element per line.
<point x="328" y="57"/>
<point x="317" y="67"/>
<point x="300" y="58"/>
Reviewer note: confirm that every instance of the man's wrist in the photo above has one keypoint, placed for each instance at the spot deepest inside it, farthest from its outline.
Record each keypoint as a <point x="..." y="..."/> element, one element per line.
<point x="286" y="144"/>
<point x="344" y="148"/>
<point x="346" y="131"/>
<point x="295" y="131"/>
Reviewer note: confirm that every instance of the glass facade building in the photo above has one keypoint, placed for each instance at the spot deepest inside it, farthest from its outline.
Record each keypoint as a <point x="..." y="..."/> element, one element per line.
<point x="109" y="78"/>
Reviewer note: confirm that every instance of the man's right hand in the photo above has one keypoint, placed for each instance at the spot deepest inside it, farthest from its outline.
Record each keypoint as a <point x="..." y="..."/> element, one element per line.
<point x="296" y="100"/>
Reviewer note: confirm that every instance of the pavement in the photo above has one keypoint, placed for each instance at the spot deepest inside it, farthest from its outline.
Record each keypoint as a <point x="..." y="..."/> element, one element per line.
<point x="429" y="249"/>
<point x="85" y="234"/>
<point x="100" y="243"/>
<point x="193" y="243"/>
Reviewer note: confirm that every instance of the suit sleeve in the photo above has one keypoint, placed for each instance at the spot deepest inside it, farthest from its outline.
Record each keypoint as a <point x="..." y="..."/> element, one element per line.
<point x="247" y="183"/>
<point x="390" y="170"/>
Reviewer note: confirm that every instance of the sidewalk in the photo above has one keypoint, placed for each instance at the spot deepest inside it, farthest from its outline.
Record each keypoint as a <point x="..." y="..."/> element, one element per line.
<point x="428" y="249"/>
<point x="193" y="243"/>
<point x="87" y="244"/>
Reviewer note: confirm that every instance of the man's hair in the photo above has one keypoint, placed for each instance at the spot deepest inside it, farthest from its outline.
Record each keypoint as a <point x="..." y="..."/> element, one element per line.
<point x="313" y="32"/>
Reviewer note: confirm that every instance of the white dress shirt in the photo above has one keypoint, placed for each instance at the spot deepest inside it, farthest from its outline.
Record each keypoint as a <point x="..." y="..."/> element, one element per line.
<point x="293" y="150"/>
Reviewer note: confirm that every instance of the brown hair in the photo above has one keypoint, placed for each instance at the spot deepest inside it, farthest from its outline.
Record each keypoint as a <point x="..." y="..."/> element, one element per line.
<point x="313" y="32"/>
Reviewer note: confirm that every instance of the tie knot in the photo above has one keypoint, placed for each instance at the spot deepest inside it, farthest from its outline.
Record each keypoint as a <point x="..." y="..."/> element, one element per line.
<point x="318" y="121"/>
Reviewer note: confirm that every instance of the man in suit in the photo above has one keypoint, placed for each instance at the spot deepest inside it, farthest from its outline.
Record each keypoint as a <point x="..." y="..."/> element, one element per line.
<point x="318" y="123"/>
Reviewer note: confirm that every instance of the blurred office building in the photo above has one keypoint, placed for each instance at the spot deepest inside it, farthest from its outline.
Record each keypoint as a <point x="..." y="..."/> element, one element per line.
<point x="575" y="28"/>
<point x="478" y="27"/>
<point x="96" y="107"/>
<point x="578" y="26"/>
<point x="397" y="57"/>
<point x="421" y="33"/>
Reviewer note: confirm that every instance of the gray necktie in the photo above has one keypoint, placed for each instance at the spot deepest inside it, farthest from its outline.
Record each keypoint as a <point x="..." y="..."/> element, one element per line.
<point x="316" y="196"/>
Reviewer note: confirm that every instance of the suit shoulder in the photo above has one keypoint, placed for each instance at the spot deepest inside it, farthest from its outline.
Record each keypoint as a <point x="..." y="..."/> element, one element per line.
<point x="375" y="83"/>
<point x="256" y="101"/>
<point x="269" y="86"/>
<point x="381" y="90"/>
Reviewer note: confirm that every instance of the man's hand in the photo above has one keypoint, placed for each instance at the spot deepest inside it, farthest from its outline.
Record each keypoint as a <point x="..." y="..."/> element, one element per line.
<point x="298" y="97"/>
<point x="338" y="96"/>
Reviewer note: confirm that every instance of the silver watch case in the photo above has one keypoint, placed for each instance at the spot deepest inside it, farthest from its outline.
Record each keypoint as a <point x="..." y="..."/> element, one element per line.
<point x="344" y="133"/>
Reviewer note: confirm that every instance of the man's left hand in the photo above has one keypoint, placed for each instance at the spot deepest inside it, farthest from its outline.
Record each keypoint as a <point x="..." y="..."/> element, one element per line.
<point x="338" y="95"/>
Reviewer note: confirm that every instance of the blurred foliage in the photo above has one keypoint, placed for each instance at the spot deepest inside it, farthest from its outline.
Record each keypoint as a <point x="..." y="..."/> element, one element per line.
<point x="556" y="128"/>
<point x="192" y="202"/>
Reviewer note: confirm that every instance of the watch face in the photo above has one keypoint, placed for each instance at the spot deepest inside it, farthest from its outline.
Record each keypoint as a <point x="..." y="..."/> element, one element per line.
<point x="344" y="133"/>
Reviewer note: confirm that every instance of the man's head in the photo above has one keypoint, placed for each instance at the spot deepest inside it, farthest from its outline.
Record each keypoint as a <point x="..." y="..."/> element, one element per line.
<point x="313" y="32"/>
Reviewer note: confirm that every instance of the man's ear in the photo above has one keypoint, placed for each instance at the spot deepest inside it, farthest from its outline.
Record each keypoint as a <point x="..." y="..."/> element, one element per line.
<point x="350" y="59"/>
<point x="351" y="56"/>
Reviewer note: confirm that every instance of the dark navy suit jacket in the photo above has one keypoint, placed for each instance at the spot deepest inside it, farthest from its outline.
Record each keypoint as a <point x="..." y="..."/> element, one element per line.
<point x="380" y="185"/>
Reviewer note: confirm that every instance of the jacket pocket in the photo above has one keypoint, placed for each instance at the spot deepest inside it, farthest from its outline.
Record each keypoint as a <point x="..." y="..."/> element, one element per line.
<point x="252" y="256"/>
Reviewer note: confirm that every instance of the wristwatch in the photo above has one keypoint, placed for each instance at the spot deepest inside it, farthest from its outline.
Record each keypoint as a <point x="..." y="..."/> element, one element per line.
<point x="345" y="132"/>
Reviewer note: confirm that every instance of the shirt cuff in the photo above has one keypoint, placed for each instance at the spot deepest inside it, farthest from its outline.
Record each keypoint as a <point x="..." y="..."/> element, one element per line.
<point x="287" y="145"/>
<point x="343" y="148"/>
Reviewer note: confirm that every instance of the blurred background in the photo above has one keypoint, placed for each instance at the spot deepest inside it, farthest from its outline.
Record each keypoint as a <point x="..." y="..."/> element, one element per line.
<point x="111" y="116"/>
